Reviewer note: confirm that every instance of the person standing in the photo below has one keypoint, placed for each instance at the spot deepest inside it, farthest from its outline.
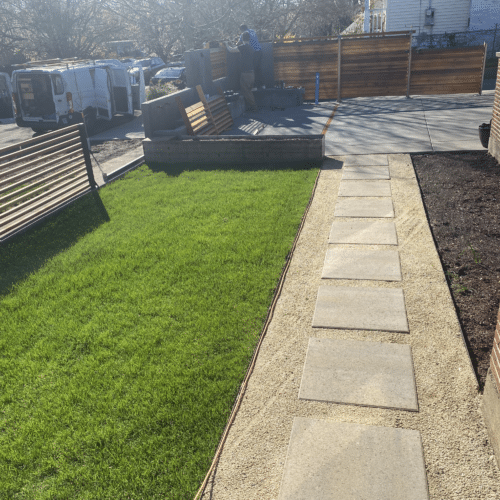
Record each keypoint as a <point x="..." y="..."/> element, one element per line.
<point x="257" y="60"/>
<point x="247" y="77"/>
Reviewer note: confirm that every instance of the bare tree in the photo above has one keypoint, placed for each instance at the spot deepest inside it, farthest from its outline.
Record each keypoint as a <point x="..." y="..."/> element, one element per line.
<point x="60" y="28"/>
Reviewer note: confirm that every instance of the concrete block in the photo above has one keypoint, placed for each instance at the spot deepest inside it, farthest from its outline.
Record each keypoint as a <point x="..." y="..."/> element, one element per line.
<point x="361" y="308"/>
<point x="349" y="264"/>
<point x="235" y="149"/>
<point x="365" y="188"/>
<point x="360" y="232"/>
<point x="330" y="460"/>
<point x="359" y="373"/>
<point x="364" y="207"/>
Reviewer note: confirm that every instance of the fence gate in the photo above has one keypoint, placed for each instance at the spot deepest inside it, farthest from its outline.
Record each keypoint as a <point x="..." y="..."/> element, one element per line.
<point x="41" y="175"/>
<point x="380" y="64"/>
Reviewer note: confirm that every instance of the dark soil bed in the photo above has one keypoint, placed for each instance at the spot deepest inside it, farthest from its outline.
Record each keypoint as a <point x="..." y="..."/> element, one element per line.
<point x="461" y="193"/>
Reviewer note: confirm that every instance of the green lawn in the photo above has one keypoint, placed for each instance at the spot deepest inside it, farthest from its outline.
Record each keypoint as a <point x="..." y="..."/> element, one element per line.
<point x="126" y="326"/>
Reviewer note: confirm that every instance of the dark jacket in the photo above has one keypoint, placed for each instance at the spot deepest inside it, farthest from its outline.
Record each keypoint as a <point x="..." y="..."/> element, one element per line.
<point x="246" y="52"/>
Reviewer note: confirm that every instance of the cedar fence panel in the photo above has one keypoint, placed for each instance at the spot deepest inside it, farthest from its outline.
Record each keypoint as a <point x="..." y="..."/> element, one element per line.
<point x="377" y="65"/>
<point x="218" y="61"/>
<point x="447" y="71"/>
<point x="374" y="66"/>
<point x="296" y="63"/>
<point x="40" y="175"/>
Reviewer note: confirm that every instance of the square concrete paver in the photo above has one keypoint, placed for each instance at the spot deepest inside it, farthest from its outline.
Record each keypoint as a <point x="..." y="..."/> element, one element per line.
<point x="359" y="373"/>
<point x="360" y="232"/>
<point x="330" y="460"/>
<point x="342" y="263"/>
<point x="361" y="308"/>
<point x="365" y="173"/>
<point x="350" y="160"/>
<point x="365" y="188"/>
<point x="364" y="207"/>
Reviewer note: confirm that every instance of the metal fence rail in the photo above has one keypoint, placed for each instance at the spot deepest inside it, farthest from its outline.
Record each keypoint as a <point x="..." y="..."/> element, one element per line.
<point x="463" y="39"/>
<point x="40" y="175"/>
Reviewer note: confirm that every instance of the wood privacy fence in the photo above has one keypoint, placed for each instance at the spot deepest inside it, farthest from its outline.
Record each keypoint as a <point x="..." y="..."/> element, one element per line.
<point x="381" y="64"/>
<point x="41" y="175"/>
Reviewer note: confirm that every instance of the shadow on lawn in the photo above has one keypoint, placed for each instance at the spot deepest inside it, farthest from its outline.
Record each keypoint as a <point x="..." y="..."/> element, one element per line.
<point x="178" y="168"/>
<point x="28" y="251"/>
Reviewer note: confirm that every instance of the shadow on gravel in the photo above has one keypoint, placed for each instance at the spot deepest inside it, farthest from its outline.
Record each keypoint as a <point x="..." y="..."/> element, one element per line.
<point x="27" y="252"/>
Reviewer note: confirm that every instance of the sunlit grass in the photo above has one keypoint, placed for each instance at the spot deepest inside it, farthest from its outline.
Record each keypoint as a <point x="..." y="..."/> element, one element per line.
<point x="122" y="352"/>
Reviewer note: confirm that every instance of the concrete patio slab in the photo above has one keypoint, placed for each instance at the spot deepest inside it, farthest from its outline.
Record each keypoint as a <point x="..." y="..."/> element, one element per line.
<point x="337" y="460"/>
<point x="359" y="373"/>
<point x="333" y="148"/>
<point x="352" y="308"/>
<point x="360" y="232"/>
<point x="399" y="125"/>
<point x="349" y="264"/>
<point x="364" y="207"/>
<point x="365" y="188"/>
<point x="365" y="173"/>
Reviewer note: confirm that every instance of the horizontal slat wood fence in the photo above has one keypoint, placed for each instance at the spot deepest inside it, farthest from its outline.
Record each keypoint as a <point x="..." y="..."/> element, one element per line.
<point x="40" y="175"/>
<point x="376" y="65"/>
<point x="447" y="71"/>
<point x="218" y="61"/>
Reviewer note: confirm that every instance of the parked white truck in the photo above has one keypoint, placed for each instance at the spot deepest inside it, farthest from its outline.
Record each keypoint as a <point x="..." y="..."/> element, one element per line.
<point x="58" y="93"/>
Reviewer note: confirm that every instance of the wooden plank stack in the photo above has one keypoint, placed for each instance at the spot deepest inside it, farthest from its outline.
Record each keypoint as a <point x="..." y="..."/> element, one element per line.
<point x="218" y="61"/>
<point x="208" y="117"/>
<point x="41" y="174"/>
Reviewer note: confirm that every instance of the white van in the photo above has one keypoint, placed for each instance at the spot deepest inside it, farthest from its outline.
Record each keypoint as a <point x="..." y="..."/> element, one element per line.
<point x="6" y="104"/>
<point x="60" y="94"/>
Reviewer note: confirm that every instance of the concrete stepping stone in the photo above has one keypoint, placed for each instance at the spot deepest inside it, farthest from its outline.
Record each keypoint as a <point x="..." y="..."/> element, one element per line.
<point x="365" y="173"/>
<point x="359" y="373"/>
<point x="365" y="188"/>
<point x="361" y="308"/>
<point x="342" y="263"/>
<point x="360" y="232"/>
<point x="364" y="207"/>
<point x="329" y="460"/>
<point x="351" y="160"/>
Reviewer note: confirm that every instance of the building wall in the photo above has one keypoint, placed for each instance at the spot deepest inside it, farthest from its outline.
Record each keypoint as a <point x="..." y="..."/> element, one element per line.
<point x="484" y="14"/>
<point x="449" y="16"/>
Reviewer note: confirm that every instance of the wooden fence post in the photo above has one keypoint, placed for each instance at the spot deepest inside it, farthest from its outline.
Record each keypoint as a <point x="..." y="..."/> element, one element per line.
<point x="409" y="67"/>
<point x="484" y="67"/>
<point x="339" y="71"/>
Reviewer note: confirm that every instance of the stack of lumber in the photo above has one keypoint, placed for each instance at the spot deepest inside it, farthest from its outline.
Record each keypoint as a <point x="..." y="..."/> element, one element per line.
<point x="208" y="117"/>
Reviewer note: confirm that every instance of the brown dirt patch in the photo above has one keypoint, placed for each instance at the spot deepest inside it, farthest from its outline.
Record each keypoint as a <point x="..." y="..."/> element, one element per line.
<point x="106" y="150"/>
<point x="461" y="193"/>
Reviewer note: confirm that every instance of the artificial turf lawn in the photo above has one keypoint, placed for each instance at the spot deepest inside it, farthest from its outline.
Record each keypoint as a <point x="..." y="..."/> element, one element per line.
<point x="126" y="326"/>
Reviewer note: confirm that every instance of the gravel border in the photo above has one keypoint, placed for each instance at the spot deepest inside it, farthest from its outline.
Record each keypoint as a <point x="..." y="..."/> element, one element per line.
<point x="459" y="459"/>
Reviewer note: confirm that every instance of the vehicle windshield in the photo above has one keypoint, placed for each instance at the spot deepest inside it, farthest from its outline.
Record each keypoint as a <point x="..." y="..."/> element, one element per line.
<point x="170" y="72"/>
<point x="144" y="63"/>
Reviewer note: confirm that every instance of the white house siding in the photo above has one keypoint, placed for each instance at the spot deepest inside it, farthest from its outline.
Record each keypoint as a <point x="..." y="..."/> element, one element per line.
<point x="450" y="16"/>
<point x="484" y="14"/>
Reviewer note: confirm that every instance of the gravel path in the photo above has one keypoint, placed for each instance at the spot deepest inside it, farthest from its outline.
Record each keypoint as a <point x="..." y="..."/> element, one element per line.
<point x="459" y="459"/>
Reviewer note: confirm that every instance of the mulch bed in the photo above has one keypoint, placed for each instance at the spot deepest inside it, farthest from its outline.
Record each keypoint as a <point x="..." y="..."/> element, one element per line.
<point x="461" y="193"/>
